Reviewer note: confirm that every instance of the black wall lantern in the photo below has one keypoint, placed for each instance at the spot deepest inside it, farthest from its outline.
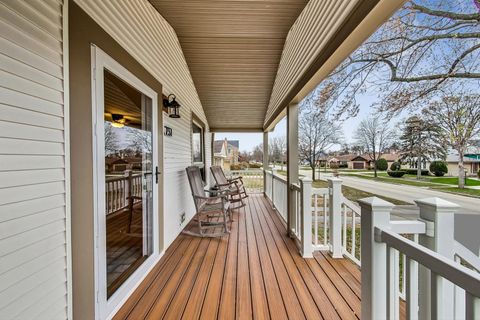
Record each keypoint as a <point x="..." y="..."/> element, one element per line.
<point x="172" y="106"/>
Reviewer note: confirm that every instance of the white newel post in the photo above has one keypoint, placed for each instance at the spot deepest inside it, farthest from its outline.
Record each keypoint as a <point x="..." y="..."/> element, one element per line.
<point x="375" y="213"/>
<point x="306" y="214"/>
<point x="265" y="162"/>
<point x="335" y="217"/>
<point x="292" y="164"/>
<point x="436" y="299"/>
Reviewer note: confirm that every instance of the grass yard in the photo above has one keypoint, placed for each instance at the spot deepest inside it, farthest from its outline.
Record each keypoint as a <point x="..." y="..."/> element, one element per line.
<point x="353" y="194"/>
<point x="453" y="181"/>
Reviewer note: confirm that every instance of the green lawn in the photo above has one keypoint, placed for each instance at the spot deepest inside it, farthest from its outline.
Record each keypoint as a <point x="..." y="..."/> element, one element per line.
<point x="435" y="183"/>
<point x="353" y="194"/>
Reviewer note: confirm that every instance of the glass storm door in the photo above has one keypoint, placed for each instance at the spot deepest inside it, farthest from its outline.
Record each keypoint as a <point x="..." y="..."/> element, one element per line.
<point x="126" y="180"/>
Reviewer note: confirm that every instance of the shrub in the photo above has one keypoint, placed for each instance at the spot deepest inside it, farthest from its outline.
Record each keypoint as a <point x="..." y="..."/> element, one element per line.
<point x="235" y="167"/>
<point x="395" y="166"/>
<point x="439" y="168"/>
<point x="334" y="165"/>
<point x="478" y="173"/>
<point x="382" y="164"/>
<point x="414" y="171"/>
<point x="255" y="165"/>
<point x="396" y="173"/>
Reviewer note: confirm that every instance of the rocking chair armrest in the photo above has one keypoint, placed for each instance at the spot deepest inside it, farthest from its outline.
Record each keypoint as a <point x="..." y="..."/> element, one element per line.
<point x="224" y="184"/>
<point x="236" y="178"/>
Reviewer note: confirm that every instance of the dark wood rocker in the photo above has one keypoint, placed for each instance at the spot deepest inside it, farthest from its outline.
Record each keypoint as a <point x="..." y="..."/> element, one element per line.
<point x="234" y="187"/>
<point x="207" y="207"/>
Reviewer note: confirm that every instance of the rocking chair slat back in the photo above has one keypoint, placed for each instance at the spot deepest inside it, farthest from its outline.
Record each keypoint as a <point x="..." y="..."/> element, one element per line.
<point x="219" y="175"/>
<point x="196" y="184"/>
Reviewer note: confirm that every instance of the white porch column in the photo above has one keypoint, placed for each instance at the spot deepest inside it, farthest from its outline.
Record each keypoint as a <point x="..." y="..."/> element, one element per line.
<point x="335" y="216"/>
<point x="265" y="161"/>
<point x="375" y="213"/>
<point x="435" y="299"/>
<point x="306" y="214"/>
<point x="292" y="161"/>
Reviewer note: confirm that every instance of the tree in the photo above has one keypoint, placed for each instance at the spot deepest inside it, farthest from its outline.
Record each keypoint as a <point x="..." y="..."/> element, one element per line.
<point x="278" y="150"/>
<point x="316" y="134"/>
<point x="458" y="116"/>
<point x="257" y="153"/>
<point x="111" y="140"/>
<point x="421" y="140"/>
<point x="425" y="48"/>
<point x="140" y="140"/>
<point x="375" y="137"/>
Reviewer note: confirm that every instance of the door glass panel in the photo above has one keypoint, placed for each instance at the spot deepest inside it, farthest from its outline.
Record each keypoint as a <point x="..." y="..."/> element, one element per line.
<point x="128" y="179"/>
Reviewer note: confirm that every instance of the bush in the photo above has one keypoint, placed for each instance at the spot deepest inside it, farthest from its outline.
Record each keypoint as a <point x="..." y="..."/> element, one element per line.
<point x="478" y="173"/>
<point x="334" y="165"/>
<point x="382" y="164"/>
<point x="414" y="172"/>
<point x="235" y="167"/>
<point x="439" y="168"/>
<point x="396" y="173"/>
<point x="395" y="166"/>
<point x="255" y="165"/>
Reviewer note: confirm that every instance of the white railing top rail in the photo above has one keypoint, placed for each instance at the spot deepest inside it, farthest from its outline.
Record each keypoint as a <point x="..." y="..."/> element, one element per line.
<point x="468" y="256"/>
<point x="352" y="205"/>
<point x="320" y="191"/>
<point x="446" y="268"/>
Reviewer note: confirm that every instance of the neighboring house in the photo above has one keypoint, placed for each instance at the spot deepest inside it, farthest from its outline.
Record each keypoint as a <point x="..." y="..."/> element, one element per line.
<point x="471" y="162"/>
<point x="226" y="153"/>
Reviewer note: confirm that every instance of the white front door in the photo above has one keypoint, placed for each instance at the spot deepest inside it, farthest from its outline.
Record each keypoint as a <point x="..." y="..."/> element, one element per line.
<point x="125" y="189"/>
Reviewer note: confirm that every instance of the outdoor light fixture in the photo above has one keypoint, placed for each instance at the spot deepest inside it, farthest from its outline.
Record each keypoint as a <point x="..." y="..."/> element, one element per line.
<point x="118" y="121"/>
<point x="172" y="106"/>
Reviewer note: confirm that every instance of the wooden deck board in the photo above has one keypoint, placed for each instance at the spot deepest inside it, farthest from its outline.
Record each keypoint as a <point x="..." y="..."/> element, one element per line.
<point x="255" y="272"/>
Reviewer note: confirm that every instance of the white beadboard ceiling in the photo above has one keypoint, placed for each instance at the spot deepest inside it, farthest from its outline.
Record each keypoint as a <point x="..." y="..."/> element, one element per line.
<point x="233" y="49"/>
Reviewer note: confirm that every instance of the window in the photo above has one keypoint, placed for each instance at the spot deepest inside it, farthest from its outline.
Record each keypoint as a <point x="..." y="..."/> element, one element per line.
<point x="198" y="145"/>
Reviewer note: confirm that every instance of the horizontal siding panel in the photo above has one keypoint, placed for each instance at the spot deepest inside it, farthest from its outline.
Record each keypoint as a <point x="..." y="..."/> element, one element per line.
<point x="21" y="178"/>
<point x="32" y="162"/>
<point x="17" y="226"/>
<point x="30" y="29"/>
<point x="20" y="241"/>
<point x="29" y="58"/>
<point x="14" y="66"/>
<point x="28" y="147"/>
<point x="31" y="252"/>
<point x="14" y="300"/>
<point x="14" y="82"/>
<point x="22" y="131"/>
<point x="25" y="208"/>
<point x="16" y="36"/>
<point x="16" y="194"/>
<point x="24" y="116"/>
<point x="52" y="312"/>
<point x="27" y="11"/>
<point x="18" y="274"/>
<point x="33" y="243"/>
<point x="22" y="100"/>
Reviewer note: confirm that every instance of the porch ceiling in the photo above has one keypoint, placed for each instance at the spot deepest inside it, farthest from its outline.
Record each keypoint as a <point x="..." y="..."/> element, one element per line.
<point x="233" y="50"/>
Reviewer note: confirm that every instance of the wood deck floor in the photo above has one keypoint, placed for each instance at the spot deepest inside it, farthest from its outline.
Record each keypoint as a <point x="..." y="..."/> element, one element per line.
<point x="255" y="272"/>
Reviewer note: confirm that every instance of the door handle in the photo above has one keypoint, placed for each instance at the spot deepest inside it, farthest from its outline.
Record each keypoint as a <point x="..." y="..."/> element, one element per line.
<point x="156" y="174"/>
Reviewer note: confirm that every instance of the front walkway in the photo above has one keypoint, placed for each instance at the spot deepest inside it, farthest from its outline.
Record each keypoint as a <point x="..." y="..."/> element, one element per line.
<point x="255" y="272"/>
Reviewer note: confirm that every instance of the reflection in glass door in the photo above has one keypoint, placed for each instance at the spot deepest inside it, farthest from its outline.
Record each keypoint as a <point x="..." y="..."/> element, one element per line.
<point x="128" y="140"/>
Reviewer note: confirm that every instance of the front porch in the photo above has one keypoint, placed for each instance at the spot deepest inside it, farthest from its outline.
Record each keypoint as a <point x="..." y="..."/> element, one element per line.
<point x="255" y="272"/>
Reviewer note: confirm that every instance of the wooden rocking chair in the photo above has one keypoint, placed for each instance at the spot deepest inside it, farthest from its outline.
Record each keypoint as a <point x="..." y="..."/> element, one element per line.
<point x="234" y="187"/>
<point x="207" y="207"/>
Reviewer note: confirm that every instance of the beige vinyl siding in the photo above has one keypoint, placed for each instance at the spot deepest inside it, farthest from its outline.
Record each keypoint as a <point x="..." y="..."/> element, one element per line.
<point x="308" y="36"/>
<point x="147" y="36"/>
<point x="33" y="241"/>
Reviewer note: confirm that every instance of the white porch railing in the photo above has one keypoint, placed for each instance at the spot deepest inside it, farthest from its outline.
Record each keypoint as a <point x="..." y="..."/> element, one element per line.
<point x="119" y="188"/>
<point x="252" y="179"/>
<point x="417" y="260"/>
